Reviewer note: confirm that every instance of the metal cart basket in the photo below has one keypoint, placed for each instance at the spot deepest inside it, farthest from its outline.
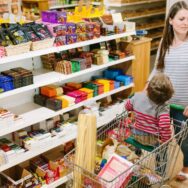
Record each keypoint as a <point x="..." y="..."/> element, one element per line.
<point x="154" y="167"/>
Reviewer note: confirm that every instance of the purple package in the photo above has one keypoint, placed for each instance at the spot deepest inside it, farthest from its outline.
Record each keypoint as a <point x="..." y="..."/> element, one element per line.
<point x="50" y="16"/>
<point x="70" y="39"/>
<point x="71" y="28"/>
<point x="62" y="17"/>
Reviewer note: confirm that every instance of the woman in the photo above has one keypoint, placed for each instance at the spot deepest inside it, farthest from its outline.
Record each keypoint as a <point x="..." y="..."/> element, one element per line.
<point x="172" y="59"/>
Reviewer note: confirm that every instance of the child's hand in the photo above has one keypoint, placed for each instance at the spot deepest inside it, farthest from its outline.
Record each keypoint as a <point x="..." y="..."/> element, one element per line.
<point x="185" y="112"/>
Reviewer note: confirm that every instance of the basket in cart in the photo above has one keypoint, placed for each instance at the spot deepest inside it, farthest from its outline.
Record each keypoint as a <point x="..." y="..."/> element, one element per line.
<point x="153" y="168"/>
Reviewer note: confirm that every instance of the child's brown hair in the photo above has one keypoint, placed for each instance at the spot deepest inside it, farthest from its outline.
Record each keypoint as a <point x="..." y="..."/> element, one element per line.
<point x="160" y="89"/>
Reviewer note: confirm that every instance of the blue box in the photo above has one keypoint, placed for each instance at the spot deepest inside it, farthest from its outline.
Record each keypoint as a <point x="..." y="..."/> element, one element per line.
<point x="6" y="83"/>
<point x="126" y="79"/>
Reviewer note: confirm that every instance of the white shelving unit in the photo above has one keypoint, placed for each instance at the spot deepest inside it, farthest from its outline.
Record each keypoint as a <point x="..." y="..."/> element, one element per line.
<point x="148" y="14"/>
<point x="70" y="5"/>
<point x="56" y="141"/>
<point x="46" y="77"/>
<point x="133" y="3"/>
<point x="37" y="53"/>
<point x="32" y="113"/>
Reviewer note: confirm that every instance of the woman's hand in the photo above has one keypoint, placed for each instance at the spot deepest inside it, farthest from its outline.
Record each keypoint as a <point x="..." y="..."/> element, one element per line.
<point x="185" y="112"/>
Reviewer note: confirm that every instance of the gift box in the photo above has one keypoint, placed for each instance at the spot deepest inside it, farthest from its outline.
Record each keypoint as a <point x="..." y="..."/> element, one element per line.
<point x="16" y="78"/>
<point x="27" y="76"/>
<point x="80" y="63"/>
<point x="75" y="65"/>
<point x="78" y="95"/>
<point x="74" y="85"/>
<point x="67" y="89"/>
<point x="6" y="83"/>
<point x="71" y="100"/>
<point x="105" y="83"/>
<point x="92" y="86"/>
<point x="88" y="91"/>
<point x="125" y="79"/>
<point x="48" y="91"/>
<point x="100" y="87"/>
<point x="54" y="104"/>
<point x="40" y="100"/>
<point x="65" y="102"/>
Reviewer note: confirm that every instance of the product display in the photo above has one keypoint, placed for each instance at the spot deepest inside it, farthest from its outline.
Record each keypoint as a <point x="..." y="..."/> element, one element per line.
<point x="69" y="70"/>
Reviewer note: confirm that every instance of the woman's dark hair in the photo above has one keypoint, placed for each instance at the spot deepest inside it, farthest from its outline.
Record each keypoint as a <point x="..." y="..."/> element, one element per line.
<point x="160" y="89"/>
<point x="168" y="33"/>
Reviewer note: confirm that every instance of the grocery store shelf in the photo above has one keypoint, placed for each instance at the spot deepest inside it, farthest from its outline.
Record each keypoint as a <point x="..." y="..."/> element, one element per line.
<point x="154" y="36"/>
<point x="45" y="78"/>
<point x="144" y="16"/>
<point x="70" y="5"/>
<point x="58" y="182"/>
<point x="56" y="141"/>
<point x="151" y="27"/>
<point x="130" y="4"/>
<point x="30" y="110"/>
<point x="37" y="53"/>
<point x="63" y="6"/>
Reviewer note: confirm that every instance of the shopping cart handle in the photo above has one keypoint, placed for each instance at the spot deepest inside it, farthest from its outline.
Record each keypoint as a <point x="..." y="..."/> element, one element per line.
<point x="177" y="107"/>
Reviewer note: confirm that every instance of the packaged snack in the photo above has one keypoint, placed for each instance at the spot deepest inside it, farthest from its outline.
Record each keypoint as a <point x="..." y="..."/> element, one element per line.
<point x="60" y="41"/>
<point x="71" y="28"/>
<point x="4" y="38"/>
<point x="81" y="27"/>
<point x="41" y="31"/>
<point x="16" y="34"/>
<point x="30" y="33"/>
<point x="70" y="39"/>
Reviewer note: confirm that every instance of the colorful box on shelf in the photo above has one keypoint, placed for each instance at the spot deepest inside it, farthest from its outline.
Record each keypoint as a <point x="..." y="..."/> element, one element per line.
<point x="26" y="75"/>
<point x="71" y="100"/>
<point x="67" y="89"/>
<point x="81" y="63"/>
<point x="51" y="91"/>
<point x="126" y="79"/>
<point x="44" y="170"/>
<point x="100" y="87"/>
<point x="54" y="104"/>
<point x="106" y="84"/>
<point x="40" y="100"/>
<point x="65" y="102"/>
<point x="74" y="85"/>
<point x="92" y="86"/>
<point x="11" y="149"/>
<point x="78" y="95"/>
<point x="88" y="91"/>
<point x="16" y="77"/>
<point x="112" y="73"/>
<point x="6" y="83"/>
<point x="54" y="16"/>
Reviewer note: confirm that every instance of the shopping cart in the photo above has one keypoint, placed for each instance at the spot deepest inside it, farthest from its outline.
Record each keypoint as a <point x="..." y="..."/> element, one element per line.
<point x="152" y="170"/>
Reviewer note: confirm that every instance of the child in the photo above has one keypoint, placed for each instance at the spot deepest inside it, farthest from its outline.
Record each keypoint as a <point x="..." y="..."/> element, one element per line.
<point x="151" y="112"/>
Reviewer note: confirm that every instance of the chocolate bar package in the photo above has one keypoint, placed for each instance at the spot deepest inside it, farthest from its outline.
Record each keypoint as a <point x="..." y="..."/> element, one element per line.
<point x="54" y="104"/>
<point x="40" y="100"/>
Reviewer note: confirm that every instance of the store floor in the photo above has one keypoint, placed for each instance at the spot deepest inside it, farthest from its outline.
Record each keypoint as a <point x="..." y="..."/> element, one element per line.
<point x="176" y="184"/>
